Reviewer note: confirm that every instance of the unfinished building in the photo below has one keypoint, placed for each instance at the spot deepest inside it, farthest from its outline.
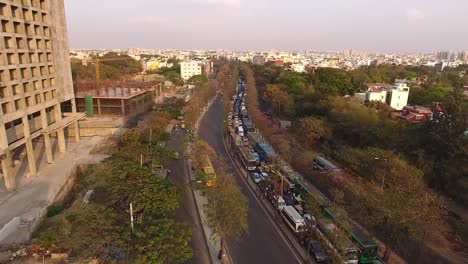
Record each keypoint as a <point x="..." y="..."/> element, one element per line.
<point x="36" y="92"/>
<point x="116" y="98"/>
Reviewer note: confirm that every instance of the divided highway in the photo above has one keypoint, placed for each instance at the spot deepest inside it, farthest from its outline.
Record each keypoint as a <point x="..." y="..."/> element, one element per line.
<point x="264" y="242"/>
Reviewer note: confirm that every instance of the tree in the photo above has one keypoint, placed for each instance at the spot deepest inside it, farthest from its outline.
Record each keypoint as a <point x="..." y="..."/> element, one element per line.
<point x="156" y="121"/>
<point x="311" y="130"/>
<point x="174" y="77"/>
<point x="276" y="97"/>
<point x="227" y="208"/>
<point x="197" y="80"/>
<point x="200" y="151"/>
<point x="162" y="241"/>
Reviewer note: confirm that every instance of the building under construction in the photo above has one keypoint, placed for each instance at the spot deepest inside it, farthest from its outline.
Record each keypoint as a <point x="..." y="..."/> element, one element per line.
<point x="116" y="98"/>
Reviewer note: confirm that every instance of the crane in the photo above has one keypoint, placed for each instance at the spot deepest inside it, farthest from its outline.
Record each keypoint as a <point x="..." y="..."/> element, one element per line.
<point x="98" y="60"/>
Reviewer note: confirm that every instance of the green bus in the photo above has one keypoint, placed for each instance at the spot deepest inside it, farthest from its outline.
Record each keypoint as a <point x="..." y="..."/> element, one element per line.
<point x="367" y="248"/>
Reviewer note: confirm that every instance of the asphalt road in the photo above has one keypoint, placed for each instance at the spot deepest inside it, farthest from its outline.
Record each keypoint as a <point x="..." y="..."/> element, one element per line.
<point x="187" y="212"/>
<point x="263" y="243"/>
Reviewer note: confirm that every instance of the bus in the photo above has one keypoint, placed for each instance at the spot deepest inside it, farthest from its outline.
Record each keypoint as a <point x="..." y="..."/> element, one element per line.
<point x="338" y="241"/>
<point x="367" y="248"/>
<point x="210" y="175"/>
<point x="321" y="163"/>
<point x="295" y="221"/>
<point x="247" y="158"/>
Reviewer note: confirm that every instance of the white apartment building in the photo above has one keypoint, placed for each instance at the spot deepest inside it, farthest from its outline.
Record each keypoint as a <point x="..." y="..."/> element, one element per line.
<point x="395" y="95"/>
<point x="190" y="68"/>
<point x="298" y="67"/>
<point x="398" y="96"/>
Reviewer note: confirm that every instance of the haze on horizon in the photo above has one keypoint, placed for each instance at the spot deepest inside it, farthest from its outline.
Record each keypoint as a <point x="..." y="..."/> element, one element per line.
<point x="368" y="25"/>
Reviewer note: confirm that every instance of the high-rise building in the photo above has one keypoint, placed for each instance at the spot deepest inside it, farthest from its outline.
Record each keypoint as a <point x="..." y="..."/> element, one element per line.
<point x="463" y="56"/>
<point x="36" y="91"/>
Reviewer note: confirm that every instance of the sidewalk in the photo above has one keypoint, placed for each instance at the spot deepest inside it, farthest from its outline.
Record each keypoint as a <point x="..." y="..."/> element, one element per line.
<point x="28" y="204"/>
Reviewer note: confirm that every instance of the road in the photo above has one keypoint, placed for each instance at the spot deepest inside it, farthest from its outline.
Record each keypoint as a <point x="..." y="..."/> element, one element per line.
<point x="187" y="212"/>
<point x="263" y="243"/>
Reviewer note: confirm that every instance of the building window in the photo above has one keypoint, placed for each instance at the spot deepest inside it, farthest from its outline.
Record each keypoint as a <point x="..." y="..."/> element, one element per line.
<point x="46" y="32"/>
<point x="31" y="44"/>
<point x="28" y="87"/>
<point x="44" y="18"/>
<point x="26" y="14"/>
<point x="18" y="28"/>
<point x="30" y="101"/>
<point x="6" y="108"/>
<point x="42" y="58"/>
<point x="20" y="43"/>
<point x="40" y="44"/>
<point x="37" y="85"/>
<point x="43" y="4"/>
<point x="17" y="89"/>
<point x="19" y="104"/>
<point x="25" y="73"/>
<point x="36" y="72"/>
<point x="35" y="16"/>
<point x="51" y="70"/>
<point x="32" y="58"/>
<point x="11" y="58"/>
<point x="15" y="12"/>
<point x="9" y="43"/>
<point x="38" y="98"/>
<point x="13" y="74"/>
<point x="37" y="30"/>
<point x="22" y="58"/>
<point x="3" y="11"/>
<point x="6" y="27"/>
<point x="4" y="92"/>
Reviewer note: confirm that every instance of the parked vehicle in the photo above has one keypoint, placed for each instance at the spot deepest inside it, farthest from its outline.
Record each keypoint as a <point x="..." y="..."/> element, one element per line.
<point x="295" y="222"/>
<point x="256" y="177"/>
<point x="315" y="250"/>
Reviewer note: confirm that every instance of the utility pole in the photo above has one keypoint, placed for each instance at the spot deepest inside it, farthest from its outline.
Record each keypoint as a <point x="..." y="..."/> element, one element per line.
<point x="385" y="170"/>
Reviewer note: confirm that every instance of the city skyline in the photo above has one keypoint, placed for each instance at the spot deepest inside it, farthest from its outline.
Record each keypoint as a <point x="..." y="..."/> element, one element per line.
<point x="364" y="25"/>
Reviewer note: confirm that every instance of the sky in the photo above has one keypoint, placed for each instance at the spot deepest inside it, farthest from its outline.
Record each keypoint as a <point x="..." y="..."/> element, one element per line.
<point x="365" y="25"/>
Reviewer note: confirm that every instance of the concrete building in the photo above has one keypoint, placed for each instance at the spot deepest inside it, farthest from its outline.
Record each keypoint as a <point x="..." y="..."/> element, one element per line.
<point x="377" y="92"/>
<point x="298" y="67"/>
<point x="398" y="96"/>
<point x="36" y="92"/>
<point x="258" y="60"/>
<point x="190" y="68"/>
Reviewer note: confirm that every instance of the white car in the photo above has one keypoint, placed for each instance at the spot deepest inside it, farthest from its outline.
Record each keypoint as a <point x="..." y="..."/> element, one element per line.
<point x="256" y="177"/>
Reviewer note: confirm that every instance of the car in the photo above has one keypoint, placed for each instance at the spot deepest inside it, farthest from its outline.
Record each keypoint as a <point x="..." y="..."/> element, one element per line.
<point x="316" y="250"/>
<point x="256" y="177"/>
<point x="264" y="175"/>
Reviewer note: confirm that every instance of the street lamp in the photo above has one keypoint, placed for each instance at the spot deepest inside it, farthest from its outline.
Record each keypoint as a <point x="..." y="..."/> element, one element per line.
<point x="385" y="170"/>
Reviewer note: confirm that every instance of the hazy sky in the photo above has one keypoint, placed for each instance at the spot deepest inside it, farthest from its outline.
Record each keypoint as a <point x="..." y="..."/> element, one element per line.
<point x="372" y="25"/>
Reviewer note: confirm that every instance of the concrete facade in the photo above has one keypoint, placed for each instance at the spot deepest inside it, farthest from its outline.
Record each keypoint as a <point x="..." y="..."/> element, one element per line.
<point x="36" y="91"/>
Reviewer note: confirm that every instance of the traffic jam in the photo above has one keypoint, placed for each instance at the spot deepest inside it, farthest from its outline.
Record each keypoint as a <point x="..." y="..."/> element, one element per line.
<point x="320" y="234"/>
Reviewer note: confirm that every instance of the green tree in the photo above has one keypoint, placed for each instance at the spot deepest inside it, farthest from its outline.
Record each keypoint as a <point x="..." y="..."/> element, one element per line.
<point x="197" y="80"/>
<point x="174" y="77"/>
<point x="161" y="242"/>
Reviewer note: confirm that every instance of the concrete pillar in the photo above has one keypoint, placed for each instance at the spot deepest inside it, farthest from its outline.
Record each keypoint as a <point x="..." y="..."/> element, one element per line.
<point x="48" y="148"/>
<point x="99" y="106"/>
<point x="47" y="144"/>
<point x="10" y="181"/>
<point x="76" y="126"/>
<point x="122" y="105"/>
<point x="29" y="147"/>
<point x="61" y="140"/>
<point x="77" y="131"/>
